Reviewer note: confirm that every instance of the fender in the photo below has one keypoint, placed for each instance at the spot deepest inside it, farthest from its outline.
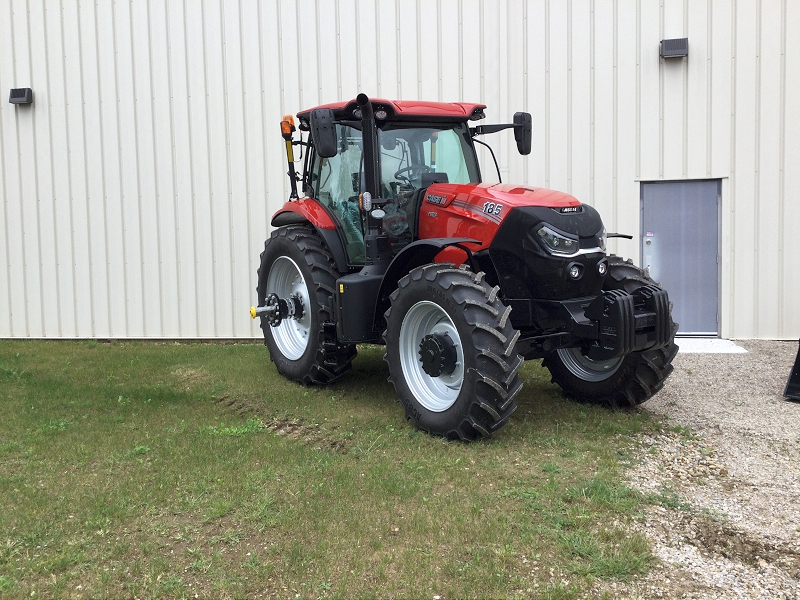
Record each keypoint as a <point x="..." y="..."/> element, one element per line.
<point x="308" y="210"/>
<point x="416" y="254"/>
<point x="311" y="211"/>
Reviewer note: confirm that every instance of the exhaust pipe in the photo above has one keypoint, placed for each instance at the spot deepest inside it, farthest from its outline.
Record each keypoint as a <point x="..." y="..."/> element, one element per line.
<point x="369" y="135"/>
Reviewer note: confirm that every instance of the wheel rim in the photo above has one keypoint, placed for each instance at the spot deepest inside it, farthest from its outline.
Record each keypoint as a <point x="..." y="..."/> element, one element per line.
<point x="587" y="369"/>
<point x="292" y="335"/>
<point x="437" y="394"/>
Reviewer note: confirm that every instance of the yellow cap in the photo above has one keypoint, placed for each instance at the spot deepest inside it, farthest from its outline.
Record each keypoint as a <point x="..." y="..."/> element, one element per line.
<point x="253" y="311"/>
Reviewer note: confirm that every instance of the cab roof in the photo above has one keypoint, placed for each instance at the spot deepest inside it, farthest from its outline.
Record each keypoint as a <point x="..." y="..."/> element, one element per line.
<point x="406" y="110"/>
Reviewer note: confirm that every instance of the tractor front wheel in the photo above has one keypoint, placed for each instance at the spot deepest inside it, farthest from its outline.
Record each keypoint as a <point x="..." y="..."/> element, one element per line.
<point x="450" y="349"/>
<point x="620" y="382"/>
<point x="296" y="264"/>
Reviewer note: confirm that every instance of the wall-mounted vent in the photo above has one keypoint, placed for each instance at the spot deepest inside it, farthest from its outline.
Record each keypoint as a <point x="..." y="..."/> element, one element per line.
<point x="21" y="96"/>
<point x="675" y="48"/>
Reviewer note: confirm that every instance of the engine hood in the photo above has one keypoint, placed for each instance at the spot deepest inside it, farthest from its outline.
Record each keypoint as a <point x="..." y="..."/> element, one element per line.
<point x="477" y="211"/>
<point x="509" y="195"/>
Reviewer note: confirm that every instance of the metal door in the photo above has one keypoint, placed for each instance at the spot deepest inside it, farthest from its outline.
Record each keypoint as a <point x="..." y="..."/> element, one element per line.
<point x="680" y="247"/>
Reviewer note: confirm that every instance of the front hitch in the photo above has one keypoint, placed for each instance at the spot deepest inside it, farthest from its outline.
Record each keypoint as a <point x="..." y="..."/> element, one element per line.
<point x="277" y="309"/>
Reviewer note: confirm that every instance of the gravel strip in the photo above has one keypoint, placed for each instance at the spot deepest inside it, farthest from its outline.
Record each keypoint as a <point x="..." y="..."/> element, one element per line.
<point x="725" y="479"/>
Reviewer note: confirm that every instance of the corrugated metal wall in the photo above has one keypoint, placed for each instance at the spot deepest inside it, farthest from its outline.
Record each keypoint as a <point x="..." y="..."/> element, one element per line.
<point x="137" y="188"/>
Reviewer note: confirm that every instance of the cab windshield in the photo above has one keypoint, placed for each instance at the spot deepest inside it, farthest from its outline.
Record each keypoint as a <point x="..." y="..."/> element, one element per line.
<point x="409" y="152"/>
<point x="411" y="158"/>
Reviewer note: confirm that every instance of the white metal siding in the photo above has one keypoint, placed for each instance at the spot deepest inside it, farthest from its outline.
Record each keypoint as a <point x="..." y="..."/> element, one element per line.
<point x="137" y="189"/>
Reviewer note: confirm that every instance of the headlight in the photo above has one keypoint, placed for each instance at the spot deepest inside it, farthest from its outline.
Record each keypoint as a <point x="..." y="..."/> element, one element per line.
<point x="557" y="243"/>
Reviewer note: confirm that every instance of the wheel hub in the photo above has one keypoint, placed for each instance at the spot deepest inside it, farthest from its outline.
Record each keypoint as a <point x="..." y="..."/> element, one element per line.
<point x="279" y="309"/>
<point x="438" y="355"/>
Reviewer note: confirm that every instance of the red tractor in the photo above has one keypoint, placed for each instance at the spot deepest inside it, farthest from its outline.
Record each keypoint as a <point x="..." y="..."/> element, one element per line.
<point x="396" y="241"/>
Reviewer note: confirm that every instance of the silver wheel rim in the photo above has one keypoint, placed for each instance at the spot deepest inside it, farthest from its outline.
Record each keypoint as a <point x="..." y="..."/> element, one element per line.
<point x="587" y="369"/>
<point x="292" y="335"/>
<point x="437" y="394"/>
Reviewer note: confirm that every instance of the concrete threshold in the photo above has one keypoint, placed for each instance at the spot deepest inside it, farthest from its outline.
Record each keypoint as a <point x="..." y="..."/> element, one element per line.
<point x="691" y="345"/>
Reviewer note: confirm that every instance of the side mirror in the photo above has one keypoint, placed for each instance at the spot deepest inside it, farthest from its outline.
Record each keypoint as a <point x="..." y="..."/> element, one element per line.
<point x="323" y="132"/>
<point x="523" y="132"/>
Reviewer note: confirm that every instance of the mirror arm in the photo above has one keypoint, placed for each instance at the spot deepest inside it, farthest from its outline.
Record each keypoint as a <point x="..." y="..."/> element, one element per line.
<point x="484" y="129"/>
<point x="302" y="143"/>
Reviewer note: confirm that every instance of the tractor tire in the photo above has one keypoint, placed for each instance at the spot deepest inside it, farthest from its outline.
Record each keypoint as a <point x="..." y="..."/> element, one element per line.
<point x="450" y="348"/>
<point x="295" y="261"/>
<point x="621" y="382"/>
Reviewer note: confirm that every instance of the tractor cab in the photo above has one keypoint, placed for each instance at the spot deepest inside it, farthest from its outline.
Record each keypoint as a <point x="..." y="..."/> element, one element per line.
<point x="415" y="150"/>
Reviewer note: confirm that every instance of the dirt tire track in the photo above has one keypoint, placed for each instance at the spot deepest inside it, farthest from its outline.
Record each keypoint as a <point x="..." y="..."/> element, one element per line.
<point x="293" y="429"/>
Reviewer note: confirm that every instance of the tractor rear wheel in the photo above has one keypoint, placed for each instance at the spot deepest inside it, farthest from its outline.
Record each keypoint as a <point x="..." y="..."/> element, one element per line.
<point x="620" y="382"/>
<point x="450" y="349"/>
<point x="296" y="263"/>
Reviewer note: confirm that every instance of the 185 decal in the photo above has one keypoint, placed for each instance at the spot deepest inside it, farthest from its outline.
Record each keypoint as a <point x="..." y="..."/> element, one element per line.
<point x="492" y="208"/>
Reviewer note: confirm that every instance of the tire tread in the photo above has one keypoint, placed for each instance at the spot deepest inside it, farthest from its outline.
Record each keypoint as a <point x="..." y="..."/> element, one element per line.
<point x="494" y="381"/>
<point x="319" y="260"/>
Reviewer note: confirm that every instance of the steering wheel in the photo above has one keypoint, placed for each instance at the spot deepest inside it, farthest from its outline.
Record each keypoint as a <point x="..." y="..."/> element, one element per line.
<point x="412" y="172"/>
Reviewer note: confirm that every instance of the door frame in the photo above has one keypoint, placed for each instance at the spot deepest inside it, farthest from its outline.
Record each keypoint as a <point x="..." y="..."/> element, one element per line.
<point x="720" y="185"/>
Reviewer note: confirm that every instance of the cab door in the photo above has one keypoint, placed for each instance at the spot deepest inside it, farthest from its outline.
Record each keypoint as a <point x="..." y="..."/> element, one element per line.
<point x="335" y="182"/>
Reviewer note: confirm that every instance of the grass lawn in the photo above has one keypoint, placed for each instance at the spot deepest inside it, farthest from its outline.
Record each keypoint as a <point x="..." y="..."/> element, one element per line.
<point x="178" y="470"/>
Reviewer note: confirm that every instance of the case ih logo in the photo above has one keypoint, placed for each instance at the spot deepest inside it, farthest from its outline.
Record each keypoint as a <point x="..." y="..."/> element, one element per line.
<point x="571" y="209"/>
<point x="436" y="199"/>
